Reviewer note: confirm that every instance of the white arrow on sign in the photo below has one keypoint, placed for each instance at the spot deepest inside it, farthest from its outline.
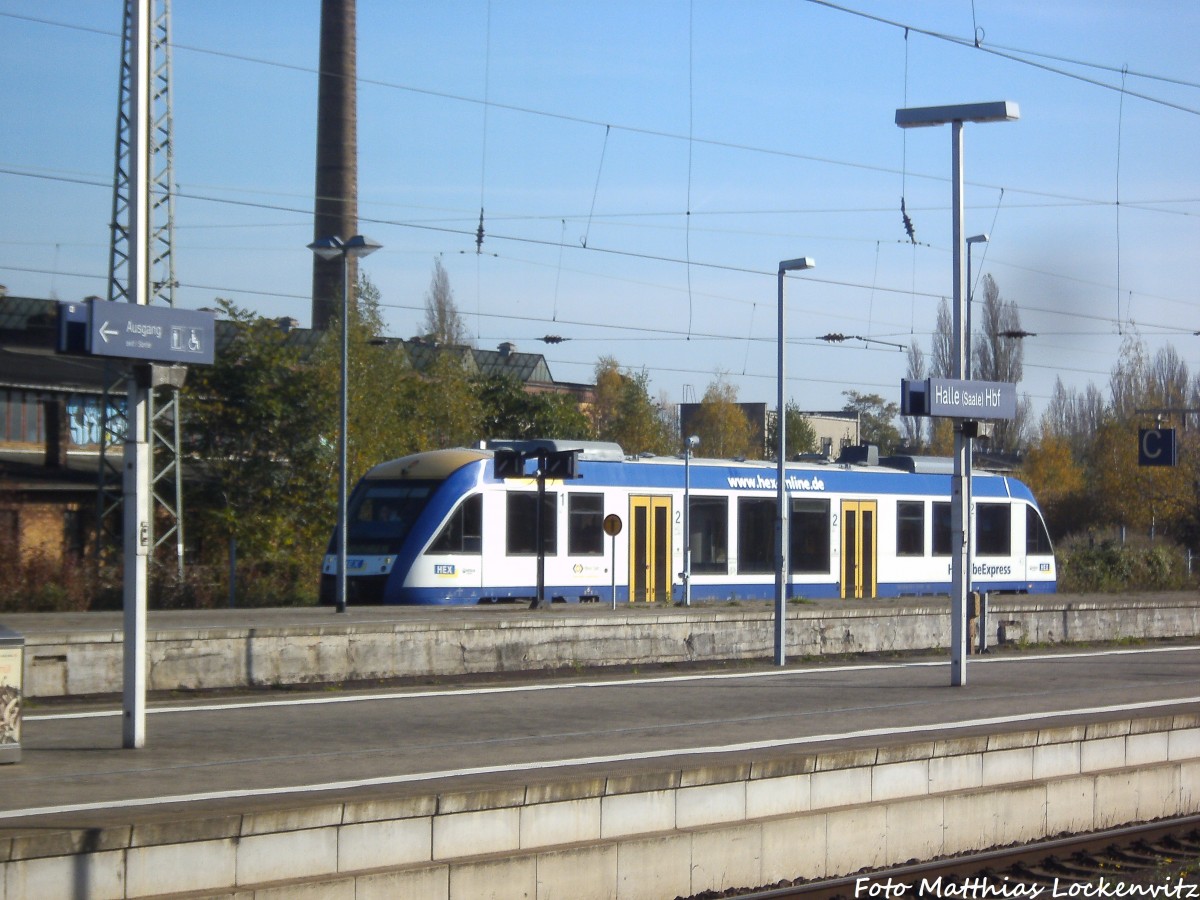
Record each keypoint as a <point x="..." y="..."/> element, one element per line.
<point x="106" y="332"/>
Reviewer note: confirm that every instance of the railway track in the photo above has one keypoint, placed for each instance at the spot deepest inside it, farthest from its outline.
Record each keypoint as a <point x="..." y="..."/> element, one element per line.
<point x="1156" y="860"/>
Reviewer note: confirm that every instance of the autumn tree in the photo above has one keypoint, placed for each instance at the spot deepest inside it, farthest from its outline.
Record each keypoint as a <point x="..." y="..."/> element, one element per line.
<point x="722" y="426"/>
<point x="624" y="413"/>
<point x="1058" y="480"/>
<point x="1150" y="499"/>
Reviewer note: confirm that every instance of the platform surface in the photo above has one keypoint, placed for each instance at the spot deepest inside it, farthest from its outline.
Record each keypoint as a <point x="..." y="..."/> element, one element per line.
<point x="269" y="748"/>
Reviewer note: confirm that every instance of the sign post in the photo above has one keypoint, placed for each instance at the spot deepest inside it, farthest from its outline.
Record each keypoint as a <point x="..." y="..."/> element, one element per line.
<point x="612" y="527"/>
<point x="965" y="402"/>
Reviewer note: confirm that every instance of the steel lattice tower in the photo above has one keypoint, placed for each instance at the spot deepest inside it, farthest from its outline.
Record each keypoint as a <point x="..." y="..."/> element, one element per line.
<point x="166" y="521"/>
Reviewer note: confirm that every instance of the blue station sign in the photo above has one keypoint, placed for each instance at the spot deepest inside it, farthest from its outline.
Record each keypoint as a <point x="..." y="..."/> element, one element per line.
<point x="133" y="331"/>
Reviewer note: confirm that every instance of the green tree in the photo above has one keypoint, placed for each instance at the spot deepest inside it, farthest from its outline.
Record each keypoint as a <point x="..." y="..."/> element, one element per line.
<point x="260" y="426"/>
<point x="509" y="411"/>
<point x="377" y="373"/>
<point x="876" y="419"/>
<point x="801" y="437"/>
<point x="441" y="405"/>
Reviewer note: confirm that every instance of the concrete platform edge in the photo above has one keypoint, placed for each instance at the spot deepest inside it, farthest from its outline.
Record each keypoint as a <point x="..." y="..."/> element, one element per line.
<point x="688" y="830"/>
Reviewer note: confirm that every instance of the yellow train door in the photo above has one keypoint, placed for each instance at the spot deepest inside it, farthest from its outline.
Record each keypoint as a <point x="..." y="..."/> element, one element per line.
<point x="649" y="549"/>
<point x="859" y="556"/>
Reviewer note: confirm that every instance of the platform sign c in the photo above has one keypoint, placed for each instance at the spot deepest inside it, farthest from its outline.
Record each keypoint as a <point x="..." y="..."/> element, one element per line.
<point x="1156" y="446"/>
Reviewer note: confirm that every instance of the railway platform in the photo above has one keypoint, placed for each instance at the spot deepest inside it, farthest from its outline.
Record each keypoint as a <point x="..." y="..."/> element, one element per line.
<point x="592" y="783"/>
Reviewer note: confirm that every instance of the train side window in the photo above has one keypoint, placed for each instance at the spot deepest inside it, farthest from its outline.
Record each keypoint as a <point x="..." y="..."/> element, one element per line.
<point x="522" y="523"/>
<point x="585" y="524"/>
<point x="709" y="522"/>
<point x="756" y="535"/>
<point x="941" y="528"/>
<point x="910" y="528"/>
<point x="463" y="532"/>
<point x="808" y="524"/>
<point x="1037" y="540"/>
<point x="993" y="529"/>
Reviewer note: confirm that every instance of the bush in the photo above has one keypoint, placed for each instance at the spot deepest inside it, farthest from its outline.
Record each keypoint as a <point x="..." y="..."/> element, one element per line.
<point x="38" y="582"/>
<point x="1085" y="566"/>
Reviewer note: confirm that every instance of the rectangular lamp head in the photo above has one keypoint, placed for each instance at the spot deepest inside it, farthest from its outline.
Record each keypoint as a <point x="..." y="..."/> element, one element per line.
<point x="921" y="116"/>
<point x="794" y="265"/>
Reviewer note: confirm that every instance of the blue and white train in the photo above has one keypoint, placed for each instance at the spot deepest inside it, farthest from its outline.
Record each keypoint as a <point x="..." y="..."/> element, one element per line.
<point x="440" y="528"/>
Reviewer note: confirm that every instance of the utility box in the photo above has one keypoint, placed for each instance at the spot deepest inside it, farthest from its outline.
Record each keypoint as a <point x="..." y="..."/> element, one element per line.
<point x="12" y="668"/>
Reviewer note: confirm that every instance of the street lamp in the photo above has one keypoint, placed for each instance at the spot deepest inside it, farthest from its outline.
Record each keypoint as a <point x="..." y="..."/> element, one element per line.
<point x="971" y="241"/>
<point x="331" y="248"/>
<point x="781" y="510"/>
<point x="688" y="446"/>
<point x="960" y="509"/>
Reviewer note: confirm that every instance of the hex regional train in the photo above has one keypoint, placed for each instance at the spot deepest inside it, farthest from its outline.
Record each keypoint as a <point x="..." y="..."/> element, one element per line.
<point x="440" y="528"/>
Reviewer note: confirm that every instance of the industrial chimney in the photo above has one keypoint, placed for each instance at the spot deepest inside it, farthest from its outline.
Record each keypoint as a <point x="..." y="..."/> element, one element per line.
<point x="336" y="206"/>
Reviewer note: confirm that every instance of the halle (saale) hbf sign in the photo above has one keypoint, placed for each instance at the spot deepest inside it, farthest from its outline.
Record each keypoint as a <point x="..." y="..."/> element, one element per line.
<point x="958" y="399"/>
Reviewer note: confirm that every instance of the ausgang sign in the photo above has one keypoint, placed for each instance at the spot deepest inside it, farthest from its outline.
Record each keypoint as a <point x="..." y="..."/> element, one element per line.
<point x="954" y="398"/>
<point x="154" y="333"/>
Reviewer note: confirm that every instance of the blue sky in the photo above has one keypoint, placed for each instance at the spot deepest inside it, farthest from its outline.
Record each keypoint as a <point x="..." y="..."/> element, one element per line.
<point x="643" y="167"/>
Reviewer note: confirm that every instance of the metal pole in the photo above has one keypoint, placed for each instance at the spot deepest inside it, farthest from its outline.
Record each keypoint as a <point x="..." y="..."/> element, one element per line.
<point x="613" y="551"/>
<point x="539" y="531"/>
<point x="344" y="405"/>
<point x="687" y="519"/>
<point x="781" y="511"/>
<point x="781" y="505"/>
<point x="967" y="372"/>
<point x="136" y="542"/>
<point x="960" y="483"/>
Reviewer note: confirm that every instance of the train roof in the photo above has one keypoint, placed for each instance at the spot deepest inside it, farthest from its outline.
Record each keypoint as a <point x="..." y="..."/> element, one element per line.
<point x="900" y="474"/>
<point x="432" y="464"/>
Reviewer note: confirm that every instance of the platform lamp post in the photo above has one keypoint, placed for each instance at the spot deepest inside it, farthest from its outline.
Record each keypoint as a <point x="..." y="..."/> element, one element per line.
<point x="960" y="510"/>
<point x="688" y="447"/>
<point x="971" y="242"/>
<point x="331" y="248"/>
<point x="968" y="446"/>
<point x="781" y="510"/>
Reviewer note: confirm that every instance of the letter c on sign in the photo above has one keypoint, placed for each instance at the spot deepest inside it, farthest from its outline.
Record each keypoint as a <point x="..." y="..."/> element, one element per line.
<point x="1151" y="436"/>
<point x="1156" y="447"/>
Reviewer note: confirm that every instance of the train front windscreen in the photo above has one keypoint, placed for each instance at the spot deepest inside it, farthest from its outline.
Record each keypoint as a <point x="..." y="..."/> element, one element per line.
<point x="379" y="516"/>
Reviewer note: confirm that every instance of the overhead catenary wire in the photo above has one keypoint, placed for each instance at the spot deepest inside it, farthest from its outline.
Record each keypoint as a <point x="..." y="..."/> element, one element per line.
<point x="689" y="220"/>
